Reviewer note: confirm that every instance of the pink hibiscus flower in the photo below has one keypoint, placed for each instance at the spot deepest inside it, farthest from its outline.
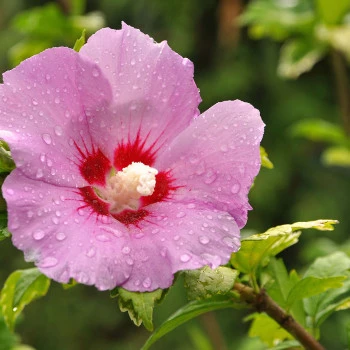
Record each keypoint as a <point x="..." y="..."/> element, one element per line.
<point x="119" y="180"/>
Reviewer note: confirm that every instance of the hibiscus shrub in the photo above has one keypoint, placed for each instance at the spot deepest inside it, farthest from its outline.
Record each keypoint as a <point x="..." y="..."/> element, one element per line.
<point x="115" y="179"/>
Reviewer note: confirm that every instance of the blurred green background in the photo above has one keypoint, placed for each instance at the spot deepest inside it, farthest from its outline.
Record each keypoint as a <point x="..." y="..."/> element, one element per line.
<point x="261" y="62"/>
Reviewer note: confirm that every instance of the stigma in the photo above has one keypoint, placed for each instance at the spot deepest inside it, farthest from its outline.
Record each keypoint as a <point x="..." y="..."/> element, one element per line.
<point x="124" y="188"/>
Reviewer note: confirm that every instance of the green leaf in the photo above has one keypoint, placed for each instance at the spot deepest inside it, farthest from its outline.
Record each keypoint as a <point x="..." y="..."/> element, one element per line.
<point x="4" y="233"/>
<point x="186" y="313"/>
<point x="320" y="131"/>
<point x="206" y="282"/>
<point x="268" y="330"/>
<point x="272" y="19"/>
<point x="299" y="56"/>
<point x="257" y="249"/>
<point x="6" y="162"/>
<point x="287" y="345"/>
<point x="80" y="42"/>
<point x="278" y="285"/>
<point x="332" y="265"/>
<point x="321" y="306"/>
<point x="265" y="161"/>
<point x="331" y="12"/>
<point x="21" y="287"/>
<point x="138" y="305"/>
<point x="336" y="156"/>
<point x="310" y="286"/>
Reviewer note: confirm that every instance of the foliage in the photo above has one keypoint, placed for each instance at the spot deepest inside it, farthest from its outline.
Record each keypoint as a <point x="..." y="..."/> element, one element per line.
<point x="306" y="32"/>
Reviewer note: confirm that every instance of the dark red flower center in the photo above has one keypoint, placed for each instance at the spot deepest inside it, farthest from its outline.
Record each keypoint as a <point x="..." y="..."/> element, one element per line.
<point x="97" y="170"/>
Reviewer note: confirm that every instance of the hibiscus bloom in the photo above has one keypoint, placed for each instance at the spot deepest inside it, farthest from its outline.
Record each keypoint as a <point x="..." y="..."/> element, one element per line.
<point x="119" y="180"/>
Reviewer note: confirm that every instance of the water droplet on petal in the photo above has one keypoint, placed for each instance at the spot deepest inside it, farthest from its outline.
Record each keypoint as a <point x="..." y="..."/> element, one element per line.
<point x="38" y="235"/>
<point x="35" y="102"/>
<point x="235" y="188"/>
<point x="95" y="72"/>
<point x="57" y="100"/>
<point x="39" y="173"/>
<point x="204" y="239"/>
<point x="60" y="236"/>
<point x="191" y="206"/>
<point x="132" y="62"/>
<point x="50" y="261"/>
<point x="129" y="261"/>
<point x="185" y="257"/>
<point x="10" y="191"/>
<point x="126" y="250"/>
<point x="55" y="220"/>
<point x="90" y="252"/>
<point x="181" y="214"/>
<point x="103" y="238"/>
<point x="46" y="138"/>
<point x="147" y="282"/>
<point x="58" y="130"/>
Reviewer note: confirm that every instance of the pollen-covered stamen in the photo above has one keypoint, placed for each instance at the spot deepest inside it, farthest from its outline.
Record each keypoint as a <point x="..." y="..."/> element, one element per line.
<point x="124" y="188"/>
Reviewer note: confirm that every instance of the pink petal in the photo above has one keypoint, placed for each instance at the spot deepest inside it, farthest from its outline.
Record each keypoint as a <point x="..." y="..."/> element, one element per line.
<point x="64" y="241"/>
<point x="217" y="157"/>
<point x="153" y="88"/>
<point x="43" y="105"/>
<point x="182" y="237"/>
<point x="67" y="242"/>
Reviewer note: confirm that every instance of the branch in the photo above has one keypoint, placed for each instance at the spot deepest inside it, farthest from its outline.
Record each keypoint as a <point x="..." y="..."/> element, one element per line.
<point x="343" y="89"/>
<point x="261" y="302"/>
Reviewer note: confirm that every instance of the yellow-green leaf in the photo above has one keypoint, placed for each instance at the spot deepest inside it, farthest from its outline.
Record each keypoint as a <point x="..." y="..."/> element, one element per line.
<point x="206" y="282"/>
<point x="138" y="305"/>
<point x="21" y="288"/>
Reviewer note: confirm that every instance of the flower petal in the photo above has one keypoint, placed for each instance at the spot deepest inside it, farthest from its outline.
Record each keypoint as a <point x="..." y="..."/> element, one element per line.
<point x="42" y="113"/>
<point x="182" y="237"/>
<point x="64" y="241"/>
<point x="153" y="88"/>
<point x="215" y="160"/>
<point x="67" y="242"/>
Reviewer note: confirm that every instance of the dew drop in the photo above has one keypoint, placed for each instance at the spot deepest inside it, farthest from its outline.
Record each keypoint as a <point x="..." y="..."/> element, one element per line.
<point x="10" y="191"/>
<point x="55" y="220"/>
<point x="126" y="250"/>
<point x="60" y="236"/>
<point x="185" y="257"/>
<point x="191" y="206"/>
<point x="95" y="72"/>
<point x="35" y="102"/>
<point x="132" y="62"/>
<point x="147" y="282"/>
<point x="90" y="252"/>
<point x="58" y="130"/>
<point x="235" y="188"/>
<point x="46" y="138"/>
<point x="39" y="174"/>
<point x="180" y="214"/>
<point x="203" y="239"/>
<point x="103" y="238"/>
<point x="50" y="261"/>
<point x="38" y="235"/>
<point x="129" y="261"/>
<point x="57" y="100"/>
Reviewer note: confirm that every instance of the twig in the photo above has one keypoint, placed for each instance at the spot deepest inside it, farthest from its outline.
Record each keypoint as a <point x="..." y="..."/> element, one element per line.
<point x="343" y="89"/>
<point x="261" y="302"/>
